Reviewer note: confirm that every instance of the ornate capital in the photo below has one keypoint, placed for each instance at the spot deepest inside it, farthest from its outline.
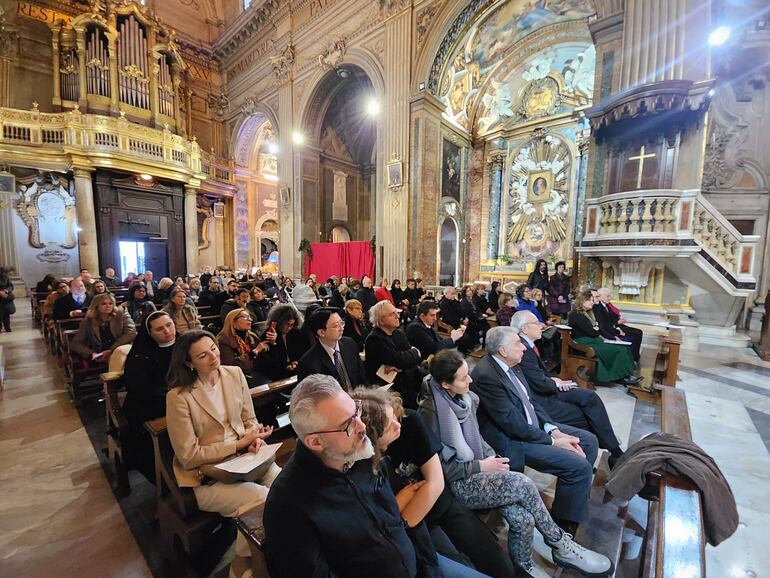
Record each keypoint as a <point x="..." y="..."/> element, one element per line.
<point x="79" y="172"/>
<point x="496" y="159"/>
<point x="220" y="104"/>
<point x="283" y="63"/>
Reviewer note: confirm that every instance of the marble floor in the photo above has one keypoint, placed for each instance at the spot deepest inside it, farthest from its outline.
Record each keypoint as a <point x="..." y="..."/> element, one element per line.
<point x="60" y="515"/>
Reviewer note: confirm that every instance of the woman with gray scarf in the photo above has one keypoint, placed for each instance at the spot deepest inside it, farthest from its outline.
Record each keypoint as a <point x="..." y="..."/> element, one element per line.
<point x="480" y="480"/>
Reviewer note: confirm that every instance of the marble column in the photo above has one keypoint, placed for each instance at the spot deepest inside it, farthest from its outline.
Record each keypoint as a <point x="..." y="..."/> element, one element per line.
<point x="8" y="255"/>
<point x="496" y="160"/>
<point x="191" y="230"/>
<point x="393" y="204"/>
<point x="86" y="216"/>
<point x="289" y="202"/>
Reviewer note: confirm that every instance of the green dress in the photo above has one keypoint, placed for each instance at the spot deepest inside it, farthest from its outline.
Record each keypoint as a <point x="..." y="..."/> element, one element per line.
<point x="613" y="362"/>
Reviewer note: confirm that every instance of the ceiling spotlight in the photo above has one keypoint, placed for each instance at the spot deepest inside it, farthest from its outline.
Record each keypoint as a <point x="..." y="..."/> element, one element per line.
<point x="145" y="177"/>
<point x="372" y="107"/>
<point x="298" y="138"/>
<point x="719" y="36"/>
<point x="272" y="148"/>
<point x="343" y="73"/>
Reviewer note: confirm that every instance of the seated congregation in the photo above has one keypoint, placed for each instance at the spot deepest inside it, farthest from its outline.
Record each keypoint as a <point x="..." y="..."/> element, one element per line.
<point x="411" y="418"/>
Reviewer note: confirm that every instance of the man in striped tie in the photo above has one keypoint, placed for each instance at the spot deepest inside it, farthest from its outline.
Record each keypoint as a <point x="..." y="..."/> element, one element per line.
<point x="332" y="354"/>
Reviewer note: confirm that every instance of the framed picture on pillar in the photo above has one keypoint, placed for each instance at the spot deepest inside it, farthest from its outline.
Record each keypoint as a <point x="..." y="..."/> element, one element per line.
<point x="219" y="210"/>
<point x="395" y="174"/>
<point x="7" y="182"/>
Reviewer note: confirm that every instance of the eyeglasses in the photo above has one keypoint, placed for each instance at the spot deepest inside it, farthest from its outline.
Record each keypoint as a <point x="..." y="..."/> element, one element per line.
<point x="348" y="424"/>
<point x="338" y="325"/>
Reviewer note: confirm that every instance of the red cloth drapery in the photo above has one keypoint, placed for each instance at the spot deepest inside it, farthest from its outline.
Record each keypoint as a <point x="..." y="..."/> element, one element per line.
<point x="342" y="259"/>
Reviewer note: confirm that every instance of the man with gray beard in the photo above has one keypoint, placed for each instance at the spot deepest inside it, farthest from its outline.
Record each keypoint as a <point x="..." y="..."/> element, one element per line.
<point x="328" y="513"/>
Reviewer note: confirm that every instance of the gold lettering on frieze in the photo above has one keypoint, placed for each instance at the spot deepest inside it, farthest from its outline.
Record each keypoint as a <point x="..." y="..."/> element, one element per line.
<point x="249" y="59"/>
<point x="198" y="72"/>
<point x="47" y="15"/>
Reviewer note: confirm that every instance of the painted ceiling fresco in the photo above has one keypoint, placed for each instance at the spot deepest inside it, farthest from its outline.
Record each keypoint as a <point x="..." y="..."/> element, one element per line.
<point x="477" y="76"/>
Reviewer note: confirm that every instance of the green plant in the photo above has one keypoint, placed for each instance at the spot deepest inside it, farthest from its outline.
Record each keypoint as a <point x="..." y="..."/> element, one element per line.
<point x="304" y="247"/>
<point x="505" y="259"/>
<point x="373" y="244"/>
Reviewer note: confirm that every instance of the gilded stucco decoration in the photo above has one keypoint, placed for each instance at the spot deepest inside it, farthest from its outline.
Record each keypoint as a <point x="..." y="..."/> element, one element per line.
<point x="424" y="19"/>
<point x="283" y="63"/>
<point x="333" y="54"/>
<point x="474" y="73"/>
<point x="46" y="204"/>
<point x="538" y="196"/>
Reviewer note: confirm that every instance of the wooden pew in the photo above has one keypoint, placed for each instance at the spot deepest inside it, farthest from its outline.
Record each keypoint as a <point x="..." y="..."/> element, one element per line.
<point x="117" y="426"/>
<point x="250" y="525"/>
<point x="184" y="529"/>
<point x="675" y="538"/>
<point x="573" y="356"/>
<point x="80" y="372"/>
<point x="667" y="358"/>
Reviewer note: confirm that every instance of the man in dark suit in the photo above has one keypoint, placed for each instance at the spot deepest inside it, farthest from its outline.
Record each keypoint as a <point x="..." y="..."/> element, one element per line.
<point x="612" y="325"/>
<point x="332" y="354"/>
<point x="421" y="334"/>
<point x="517" y="426"/>
<point x="387" y="347"/>
<point x="73" y="304"/>
<point x="564" y="401"/>
<point x="152" y="287"/>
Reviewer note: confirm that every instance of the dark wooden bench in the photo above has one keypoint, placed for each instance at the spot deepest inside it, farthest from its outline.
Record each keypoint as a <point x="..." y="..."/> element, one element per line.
<point x="250" y="525"/>
<point x="667" y="358"/>
<point x="184" y="529"/>
<point x="81" y="375"/>
<point x="117" y="426"/>
<point x="675" y="538"/>
<point x="573" y="356"/>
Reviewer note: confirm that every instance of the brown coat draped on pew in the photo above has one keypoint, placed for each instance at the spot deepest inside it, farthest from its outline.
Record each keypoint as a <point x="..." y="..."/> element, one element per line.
<point x="662" y="452"/>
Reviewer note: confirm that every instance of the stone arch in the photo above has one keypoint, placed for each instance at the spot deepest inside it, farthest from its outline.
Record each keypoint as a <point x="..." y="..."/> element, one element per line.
<point x="246" y="130"/>
<point x="325" y="83"/>
<point x="448" y="262"/>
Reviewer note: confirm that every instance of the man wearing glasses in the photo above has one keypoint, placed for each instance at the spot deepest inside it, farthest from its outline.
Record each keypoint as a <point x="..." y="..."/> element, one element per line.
<point x="387" y="350"/>
<point x="332" y="354"/>
<point x="563" y="400"/>
<point x="328" y="513"/>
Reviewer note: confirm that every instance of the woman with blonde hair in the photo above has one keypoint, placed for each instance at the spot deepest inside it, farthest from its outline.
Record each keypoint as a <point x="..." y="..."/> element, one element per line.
<point x="105" y="327"/>
<point x="240" y="346"/>
<point x="210" y="418"/>
<point x="184" y="315"/>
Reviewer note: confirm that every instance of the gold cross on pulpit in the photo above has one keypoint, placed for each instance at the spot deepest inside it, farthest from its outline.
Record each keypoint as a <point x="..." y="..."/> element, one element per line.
<point x="640" y="157"/>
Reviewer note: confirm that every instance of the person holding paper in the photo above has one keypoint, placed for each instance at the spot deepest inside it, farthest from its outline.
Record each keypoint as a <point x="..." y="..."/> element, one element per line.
<point x="563" y="400"/>
<point x="210" y="418"/>
<point x="332" y="354"/>
<point x="612" y="325"/>
<point x="614" y="363"/>
<point x="388" y="349"/>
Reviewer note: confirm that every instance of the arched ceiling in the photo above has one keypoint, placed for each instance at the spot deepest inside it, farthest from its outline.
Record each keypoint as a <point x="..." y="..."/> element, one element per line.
<point x="488" y="36"/>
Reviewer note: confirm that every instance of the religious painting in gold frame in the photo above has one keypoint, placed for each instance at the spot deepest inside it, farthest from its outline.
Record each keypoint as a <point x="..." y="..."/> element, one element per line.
<point x="539" y="185"/>
<point x="395" y="175"/>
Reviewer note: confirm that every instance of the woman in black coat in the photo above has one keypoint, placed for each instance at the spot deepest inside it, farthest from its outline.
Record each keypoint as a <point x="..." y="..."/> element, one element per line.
<point x="355" y="328"/>
<point x="137" y="304"/>
<point x="144" y="375"/>
<point x="7" y="306"/>
<point x="366" y="294"/>
<point x="291" y="343"/>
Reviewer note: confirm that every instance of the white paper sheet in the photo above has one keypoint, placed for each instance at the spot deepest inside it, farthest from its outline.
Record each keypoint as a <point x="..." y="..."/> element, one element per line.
<point x="388" y="376"/>
<point x="244" y="463"/>
<point x="560" y="326"/>
<point x="616" y="342"/>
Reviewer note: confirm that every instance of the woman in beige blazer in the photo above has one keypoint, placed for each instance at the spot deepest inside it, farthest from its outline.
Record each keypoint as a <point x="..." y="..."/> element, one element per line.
<point x="210" y="416"/>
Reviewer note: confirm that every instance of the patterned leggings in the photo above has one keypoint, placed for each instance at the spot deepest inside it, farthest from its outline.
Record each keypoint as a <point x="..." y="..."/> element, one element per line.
<point x="519" y="502"/>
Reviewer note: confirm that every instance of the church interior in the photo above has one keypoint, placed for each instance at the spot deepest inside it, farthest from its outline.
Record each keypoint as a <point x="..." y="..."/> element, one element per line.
<point x="285" y="158"/>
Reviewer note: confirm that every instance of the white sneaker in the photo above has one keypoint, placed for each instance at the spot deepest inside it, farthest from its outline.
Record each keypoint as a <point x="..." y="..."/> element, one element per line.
<point x="569" y="554"/>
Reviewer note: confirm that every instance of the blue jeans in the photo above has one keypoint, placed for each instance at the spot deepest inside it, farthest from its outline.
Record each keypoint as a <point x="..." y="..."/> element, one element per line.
<point x="451" y="569"/>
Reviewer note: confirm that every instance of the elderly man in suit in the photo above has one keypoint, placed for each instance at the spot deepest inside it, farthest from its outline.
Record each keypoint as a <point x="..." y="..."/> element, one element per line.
<point x="518" y="427"/>
<point x="421" y="334"/>
<point x="332" y="354"/>
<point x="613" y="326"/>
<point x="564" y="401"/>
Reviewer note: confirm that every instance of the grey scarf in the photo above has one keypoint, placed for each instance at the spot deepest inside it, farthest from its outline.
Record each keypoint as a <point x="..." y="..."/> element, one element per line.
<point x="457" y="423"/>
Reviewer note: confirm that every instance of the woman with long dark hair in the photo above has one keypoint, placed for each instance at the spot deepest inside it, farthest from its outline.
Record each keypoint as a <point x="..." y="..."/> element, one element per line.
<point x="288" y="342"/>
<point x="539" y="277"/>
<point x="210" y="417"/>
<point x="137" y="304"/>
